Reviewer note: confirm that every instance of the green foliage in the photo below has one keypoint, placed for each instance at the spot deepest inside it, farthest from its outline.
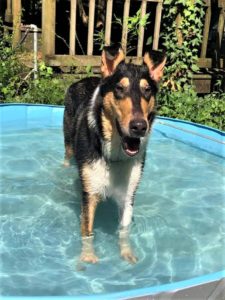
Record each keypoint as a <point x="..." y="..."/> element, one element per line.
<point x="44" y="91"/>
<point x="89" y="71"/>
<point x="10" y="69"/>
<point x="99" y="38"/>
<point x="182" y="36"/>
<point x="44" y="71"/>
<point x="133" y="24"/>
<point x="186" y="105"/>
<point x="16" y="80"/>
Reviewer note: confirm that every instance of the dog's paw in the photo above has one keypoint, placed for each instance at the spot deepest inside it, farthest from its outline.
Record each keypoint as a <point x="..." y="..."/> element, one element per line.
<point x="128" y="255"/>
<point x="89" y="258"/>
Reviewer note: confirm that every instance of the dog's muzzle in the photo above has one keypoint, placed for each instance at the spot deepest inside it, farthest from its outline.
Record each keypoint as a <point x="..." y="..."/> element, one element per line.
<point x="131" y="143"/>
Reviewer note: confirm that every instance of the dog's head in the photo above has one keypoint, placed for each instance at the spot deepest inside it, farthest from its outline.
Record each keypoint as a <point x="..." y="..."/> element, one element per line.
<point x="128" y="93"/>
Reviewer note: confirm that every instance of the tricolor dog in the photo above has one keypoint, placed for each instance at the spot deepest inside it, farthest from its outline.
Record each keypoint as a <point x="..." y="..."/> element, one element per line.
<point x="107" y="122"/>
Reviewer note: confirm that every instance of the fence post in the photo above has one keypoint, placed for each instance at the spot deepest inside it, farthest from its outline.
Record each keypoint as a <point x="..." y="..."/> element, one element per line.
<point x="108" y="22"/>
<point x="157" y="25"/>
<point x="125" y="29"/>
<point x="48" y="27"/>
<point x="8" y="12"/>
<point x="221" y="21"/>
<point x="91" y="20"/>
<point x="141" y="30"/>
<point x="16" y="11"/>
<point x="73" y="12"/>
<point x="206" y="29"/>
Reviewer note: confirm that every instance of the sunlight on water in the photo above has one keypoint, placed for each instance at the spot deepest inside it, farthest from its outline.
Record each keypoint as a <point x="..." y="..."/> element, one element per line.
<point x="178" y="230"/>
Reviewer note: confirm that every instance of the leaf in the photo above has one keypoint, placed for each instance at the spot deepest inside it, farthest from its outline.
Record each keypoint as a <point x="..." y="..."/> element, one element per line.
<point x="149" y="41"/>
<point x="194" y="68"/>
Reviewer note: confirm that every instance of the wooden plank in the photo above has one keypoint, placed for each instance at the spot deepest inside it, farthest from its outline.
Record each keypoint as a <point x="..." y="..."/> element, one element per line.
<point x="159" y="1"/>
<point x="8" y="12"/>
<point x="206" y="32"/>
<point x="221" y="3"/>
<point x="93" y="60"/>
<point x="108" y="22"/>
<point x="157" y="26"/>
<point x="207" y="63"/>
<point x="220" y="27"/>
<point x="207" y="2"/>
<point x="16" y="11"/>
<point x="91" y="20"/>
<point x="125" y="29"/>
<point x="73" y="13"/>
<point x="141" y="30"/>
<point x="48" y="26"/>
<point x="80" y="60"/>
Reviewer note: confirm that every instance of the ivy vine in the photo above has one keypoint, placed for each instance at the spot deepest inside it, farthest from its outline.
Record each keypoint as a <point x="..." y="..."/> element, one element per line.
<point x="182" y="37"/>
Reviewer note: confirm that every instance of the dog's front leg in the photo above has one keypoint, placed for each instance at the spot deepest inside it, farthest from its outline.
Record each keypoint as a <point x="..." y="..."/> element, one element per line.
<point x="124" y="243"/>
<point x="88" y="208"/>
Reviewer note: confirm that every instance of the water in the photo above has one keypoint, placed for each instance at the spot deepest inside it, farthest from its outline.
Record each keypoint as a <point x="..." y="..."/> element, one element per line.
<point x="178" y="230"/>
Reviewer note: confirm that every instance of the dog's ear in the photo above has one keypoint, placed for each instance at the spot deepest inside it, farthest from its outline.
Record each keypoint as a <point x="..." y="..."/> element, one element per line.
<point x="155" y="61"/>
<point x="111" y="57"/>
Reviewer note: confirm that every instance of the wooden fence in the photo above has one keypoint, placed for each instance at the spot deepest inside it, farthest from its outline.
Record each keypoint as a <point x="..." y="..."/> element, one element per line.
<point x="73" y="59"/>
<point x="48" y="29"/>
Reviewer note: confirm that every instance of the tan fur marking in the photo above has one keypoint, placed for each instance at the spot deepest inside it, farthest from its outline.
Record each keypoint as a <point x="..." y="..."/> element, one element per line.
<point x="156" y="73"/>
<point x="144" y="83"/>
<point x="69" y="152"/>
<point x="68" y="155"/>
<point x="147" y="107"/>
<point x="125" y="81"/>
<point x="88" y="212"/>
<point x="148" y="61"/>
<point x="120" y="110"/>
<point x="108" y="65"/>
<point x="120" y="57"/>
<point x="125" y="108"/>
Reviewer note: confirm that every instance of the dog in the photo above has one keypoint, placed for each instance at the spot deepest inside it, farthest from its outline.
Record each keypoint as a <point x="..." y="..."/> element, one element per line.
<point x="106" y="123"/>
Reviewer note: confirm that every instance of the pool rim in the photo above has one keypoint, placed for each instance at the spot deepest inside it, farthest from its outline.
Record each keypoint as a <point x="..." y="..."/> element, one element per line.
<point x="147" y="291"/>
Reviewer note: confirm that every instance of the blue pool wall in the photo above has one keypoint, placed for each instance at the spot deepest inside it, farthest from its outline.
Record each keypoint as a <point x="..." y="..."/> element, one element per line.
<point x="15" y="117"/>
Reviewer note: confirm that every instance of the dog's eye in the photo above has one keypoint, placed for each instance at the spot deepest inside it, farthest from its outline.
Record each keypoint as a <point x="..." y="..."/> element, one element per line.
<point x="119" y="91"/>
<point x="147" y="88"/>
<point x="119" y="88"/>
<point x="146" y="92"/>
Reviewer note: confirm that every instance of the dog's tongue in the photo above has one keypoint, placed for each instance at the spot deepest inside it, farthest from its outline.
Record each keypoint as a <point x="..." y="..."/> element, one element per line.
<point x="131" y="145"/>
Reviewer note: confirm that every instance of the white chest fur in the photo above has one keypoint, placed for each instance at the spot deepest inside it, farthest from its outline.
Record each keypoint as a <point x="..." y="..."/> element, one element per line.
<point x="115" y="179"/>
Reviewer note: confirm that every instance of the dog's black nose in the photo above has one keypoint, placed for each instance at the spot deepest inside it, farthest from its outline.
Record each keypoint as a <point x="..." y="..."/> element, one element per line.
<point x="138" y="127"/>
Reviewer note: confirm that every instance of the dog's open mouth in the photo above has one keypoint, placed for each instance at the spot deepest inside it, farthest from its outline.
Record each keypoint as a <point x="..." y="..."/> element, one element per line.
<point x="130" y="145"/>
